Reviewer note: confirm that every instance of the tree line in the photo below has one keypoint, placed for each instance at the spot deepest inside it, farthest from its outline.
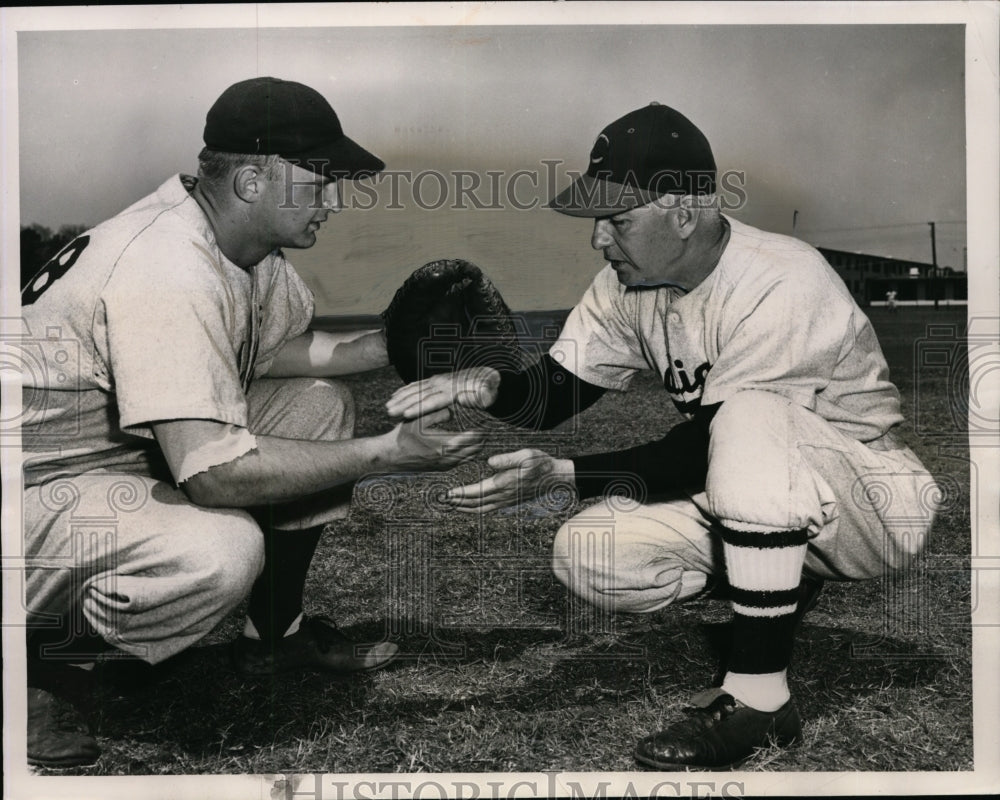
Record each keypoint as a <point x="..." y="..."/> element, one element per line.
<point x="39" y="244"/>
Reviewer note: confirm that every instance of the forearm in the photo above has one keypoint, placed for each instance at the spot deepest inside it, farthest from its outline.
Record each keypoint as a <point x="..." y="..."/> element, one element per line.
<point x="278" y="470"/>
<point x="677" y="461"/>
<point x="542" y="396"/>
<point x="323" y="354"/>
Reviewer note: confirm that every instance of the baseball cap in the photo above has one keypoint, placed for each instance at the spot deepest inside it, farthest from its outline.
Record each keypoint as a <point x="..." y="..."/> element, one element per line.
<point x="268" y="116"/>
<point x="650" y="152"/>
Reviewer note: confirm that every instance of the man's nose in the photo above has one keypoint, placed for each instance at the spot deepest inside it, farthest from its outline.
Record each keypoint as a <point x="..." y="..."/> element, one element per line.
<point x="601" y="237"/>
<point x="331" y="197"/>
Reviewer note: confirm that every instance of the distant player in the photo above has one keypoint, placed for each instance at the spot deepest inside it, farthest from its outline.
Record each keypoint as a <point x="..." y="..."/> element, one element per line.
<point x="890" y="300"/>
<point x="771" y="486"/>
<point x="183" y="445"/>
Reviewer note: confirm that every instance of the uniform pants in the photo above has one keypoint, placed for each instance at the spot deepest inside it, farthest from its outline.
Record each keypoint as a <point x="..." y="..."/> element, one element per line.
<point x="150" y="571"/>
<point x="773" y="465"/>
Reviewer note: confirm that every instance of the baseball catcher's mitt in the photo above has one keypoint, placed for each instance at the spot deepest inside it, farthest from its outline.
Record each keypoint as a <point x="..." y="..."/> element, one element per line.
<point x="448" y="316"/>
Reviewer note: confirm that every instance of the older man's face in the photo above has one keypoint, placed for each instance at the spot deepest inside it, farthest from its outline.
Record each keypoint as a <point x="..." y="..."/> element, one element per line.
<point x="640" y="244"/>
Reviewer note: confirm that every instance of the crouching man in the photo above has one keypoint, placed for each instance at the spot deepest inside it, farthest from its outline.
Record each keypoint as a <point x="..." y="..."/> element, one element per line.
<point x="200" y="447"/>
<point x="773" y="483"/>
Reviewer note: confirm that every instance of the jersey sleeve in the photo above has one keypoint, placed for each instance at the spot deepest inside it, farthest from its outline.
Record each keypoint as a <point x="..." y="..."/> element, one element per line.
<point x="542" y="396"/>
<point x="288" y="308"/>
<point x="169" y="339"/>
<point x="789" y="341"/>
<point x="599" y="343"/>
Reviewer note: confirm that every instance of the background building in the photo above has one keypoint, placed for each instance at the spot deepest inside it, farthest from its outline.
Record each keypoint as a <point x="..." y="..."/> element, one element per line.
<point x="870" y="277"/>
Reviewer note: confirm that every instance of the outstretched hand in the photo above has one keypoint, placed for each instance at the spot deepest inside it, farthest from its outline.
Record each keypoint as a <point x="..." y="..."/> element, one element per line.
<point x="473" y="388"/>
<point x="521" y="476"/>
<point x="418" y="445"/>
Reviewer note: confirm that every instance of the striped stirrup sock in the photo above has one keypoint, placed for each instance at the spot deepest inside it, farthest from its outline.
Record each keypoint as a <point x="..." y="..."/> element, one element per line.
<point x="764" y="570"/>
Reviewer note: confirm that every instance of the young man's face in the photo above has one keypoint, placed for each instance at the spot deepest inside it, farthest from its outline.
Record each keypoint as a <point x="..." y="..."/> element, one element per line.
<point x="298" y="201"/>
<point x="640" y="244"/>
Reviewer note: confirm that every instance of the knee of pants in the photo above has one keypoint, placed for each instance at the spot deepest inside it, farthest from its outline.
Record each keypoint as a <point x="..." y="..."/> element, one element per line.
<point x="749" y="415"/>
<point x="341" y="396"/>
<point x="158" y="607"/>
<point x="227" y="560"/>
<point x="635" y="560"/>
<point x="756" y="478"/>
<point x="337" y="400"/>
<point x="303" y="408"/>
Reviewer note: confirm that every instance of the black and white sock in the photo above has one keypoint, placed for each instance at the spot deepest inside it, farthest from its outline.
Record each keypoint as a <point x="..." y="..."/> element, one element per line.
<point x="764" y="569"/>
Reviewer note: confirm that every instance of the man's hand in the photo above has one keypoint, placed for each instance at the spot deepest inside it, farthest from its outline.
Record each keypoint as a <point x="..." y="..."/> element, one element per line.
<point x="419" y="446"/>
<point x="521" y="476"/>
<point x="473" y="388"/>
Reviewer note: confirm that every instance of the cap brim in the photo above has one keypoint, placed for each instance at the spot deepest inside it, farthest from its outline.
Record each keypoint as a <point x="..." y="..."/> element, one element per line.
<point x="344" y="159"/>
<point x="594" y="197"/>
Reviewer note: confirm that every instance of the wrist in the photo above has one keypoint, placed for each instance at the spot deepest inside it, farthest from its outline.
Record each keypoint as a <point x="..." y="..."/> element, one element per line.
<point x="378" y="452"/>
<point x="378" y="349"/>
<point x="565" y="470"/>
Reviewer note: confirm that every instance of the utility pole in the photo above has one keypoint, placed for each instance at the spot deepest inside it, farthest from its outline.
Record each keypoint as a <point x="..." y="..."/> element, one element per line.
<point x="934" y="279"/>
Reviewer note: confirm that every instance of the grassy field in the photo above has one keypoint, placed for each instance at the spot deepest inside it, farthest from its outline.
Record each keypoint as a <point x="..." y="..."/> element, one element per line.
<point x="502" y="672"/>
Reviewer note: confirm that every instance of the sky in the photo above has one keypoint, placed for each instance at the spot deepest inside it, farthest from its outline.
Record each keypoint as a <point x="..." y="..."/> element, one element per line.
<point x="854" y="126"/>
<point x="851" y="136"/>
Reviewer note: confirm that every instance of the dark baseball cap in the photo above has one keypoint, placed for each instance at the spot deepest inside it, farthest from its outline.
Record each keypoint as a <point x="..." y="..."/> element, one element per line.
<point x="270" y="116"/>
<point x="649" y="153"/>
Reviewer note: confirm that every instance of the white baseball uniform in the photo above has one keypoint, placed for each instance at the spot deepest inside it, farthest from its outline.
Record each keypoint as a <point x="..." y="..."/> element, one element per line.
<point x="144" y="319"/>
<point x="774" y="335"/>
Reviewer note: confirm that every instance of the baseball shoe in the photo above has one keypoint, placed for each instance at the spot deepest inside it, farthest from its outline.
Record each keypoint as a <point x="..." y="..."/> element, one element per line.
<point x="719" y="731"/>
<point x="317" y="645"/>
<point x="58" y="736"/>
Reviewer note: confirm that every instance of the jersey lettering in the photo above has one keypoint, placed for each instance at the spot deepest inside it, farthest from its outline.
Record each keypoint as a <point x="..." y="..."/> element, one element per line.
<point x="680" y="385"/>
<point x="54" y="269"/>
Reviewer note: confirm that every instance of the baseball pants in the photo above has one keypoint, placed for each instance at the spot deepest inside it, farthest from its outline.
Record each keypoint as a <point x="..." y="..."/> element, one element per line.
<point x="773" y="466"/>
<point x="152" y="572"/>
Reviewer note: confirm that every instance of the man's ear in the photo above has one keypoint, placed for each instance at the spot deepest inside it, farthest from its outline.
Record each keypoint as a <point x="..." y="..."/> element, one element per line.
<point x="686" y="215"/>
<point x="248" y="183"/>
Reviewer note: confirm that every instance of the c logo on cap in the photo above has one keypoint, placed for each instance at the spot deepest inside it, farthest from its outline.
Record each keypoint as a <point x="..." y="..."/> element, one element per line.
<point x="601" y="148"/>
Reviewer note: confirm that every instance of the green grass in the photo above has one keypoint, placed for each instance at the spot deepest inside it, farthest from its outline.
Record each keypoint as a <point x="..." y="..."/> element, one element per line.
<point x="500" y="672"/>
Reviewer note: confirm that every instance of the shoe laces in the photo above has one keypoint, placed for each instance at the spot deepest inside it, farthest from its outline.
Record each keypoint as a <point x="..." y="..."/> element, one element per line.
<point x="713" y="703"/>
<point x="64" y="715"/>
<point x="69" y="719"/>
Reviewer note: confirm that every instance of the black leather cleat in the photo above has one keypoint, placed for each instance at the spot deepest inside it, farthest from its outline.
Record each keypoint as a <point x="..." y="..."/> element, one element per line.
<point x="719" y="731"/>
<point x="58" y="736"/>
<point x="317" y="645"/>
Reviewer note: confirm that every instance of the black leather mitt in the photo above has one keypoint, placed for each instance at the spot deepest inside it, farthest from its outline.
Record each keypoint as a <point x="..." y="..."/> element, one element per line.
<point x="448" y="316"/>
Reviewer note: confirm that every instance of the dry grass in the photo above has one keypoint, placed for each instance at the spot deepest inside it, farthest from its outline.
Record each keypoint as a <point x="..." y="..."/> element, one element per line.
<point x="501" y="672"/>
